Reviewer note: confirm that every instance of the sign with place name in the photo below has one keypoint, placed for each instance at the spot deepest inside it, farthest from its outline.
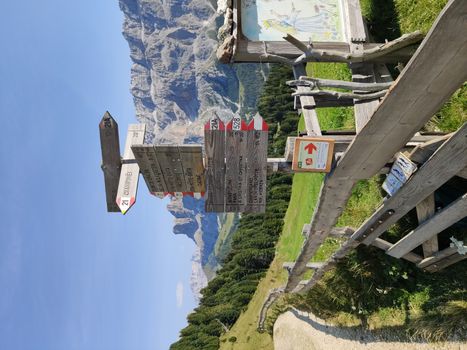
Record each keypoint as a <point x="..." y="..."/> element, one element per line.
<point x="312" y="154"/>
<point x="111" y="162"/>
<point x="235" y="165"/>
<point x="257" y="153"/>
<point x="129" y="175"/>
<point x="400" y="172"/>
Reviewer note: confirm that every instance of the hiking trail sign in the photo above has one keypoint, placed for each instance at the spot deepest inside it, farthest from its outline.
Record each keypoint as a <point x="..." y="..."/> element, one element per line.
<point x="312" y="154"/>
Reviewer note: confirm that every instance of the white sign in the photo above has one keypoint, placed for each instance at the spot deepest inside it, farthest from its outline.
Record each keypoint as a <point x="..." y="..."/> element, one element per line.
<point x="400" y="172"/>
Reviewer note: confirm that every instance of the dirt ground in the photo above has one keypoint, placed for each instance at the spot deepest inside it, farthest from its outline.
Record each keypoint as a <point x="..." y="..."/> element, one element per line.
<point x="295" y="330"/>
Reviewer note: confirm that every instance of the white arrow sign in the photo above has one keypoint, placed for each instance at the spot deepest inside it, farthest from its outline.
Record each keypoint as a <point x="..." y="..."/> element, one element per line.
<point x="128" y="185"/>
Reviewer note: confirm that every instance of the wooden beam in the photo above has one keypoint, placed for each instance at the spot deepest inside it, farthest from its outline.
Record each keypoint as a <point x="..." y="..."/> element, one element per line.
<point x="463" y="173"/>
<point x="454" y="212"/>
<point x="421" y="153"/>
<point x="425" y="210"/>
<point x="450" y="260"/>
<point x="439" y="62"/>
<point x="433" y="74"/>
<point x="309" y="114"/>
<point x="435" y="258"/>
<point x="384" y="245"/>
<point x="444" y="164"/>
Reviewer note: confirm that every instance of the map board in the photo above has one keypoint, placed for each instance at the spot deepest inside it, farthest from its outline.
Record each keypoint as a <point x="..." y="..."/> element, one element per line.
<point x="271" y="20"/>
<point x="313" y="154"/>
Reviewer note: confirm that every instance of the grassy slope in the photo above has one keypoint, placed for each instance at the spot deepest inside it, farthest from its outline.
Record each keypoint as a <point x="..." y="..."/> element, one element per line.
<point x="411" y="15"/>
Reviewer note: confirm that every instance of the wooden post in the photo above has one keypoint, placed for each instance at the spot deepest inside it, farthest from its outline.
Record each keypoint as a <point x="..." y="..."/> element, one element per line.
<point x="257" y="148"/>
<point x="425" y="210"/>
<point x="214" y="137"/>
<point x="236" y="165"/>
<point x="111" y="162"/>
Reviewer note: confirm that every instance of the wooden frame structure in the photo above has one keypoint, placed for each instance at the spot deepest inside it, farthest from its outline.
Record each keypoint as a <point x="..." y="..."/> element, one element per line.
<point x="433" y="74"/>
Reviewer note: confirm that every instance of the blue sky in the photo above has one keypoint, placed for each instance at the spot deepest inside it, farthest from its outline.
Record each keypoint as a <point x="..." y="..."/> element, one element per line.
<point x="71" y="275"/>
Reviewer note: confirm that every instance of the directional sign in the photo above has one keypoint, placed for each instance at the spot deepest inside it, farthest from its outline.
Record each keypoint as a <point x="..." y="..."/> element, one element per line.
<point x="191" y="157"/>
<point x="235" y="165"/>
<point x="312" y="154"/>
<point x="145" y="156"/>
<point x="129" y="175"/>
<point x="170" y="163"/>
<point x="111" y="162"/>
<point x="214" y="136"/>
<point x="257" y="153"/>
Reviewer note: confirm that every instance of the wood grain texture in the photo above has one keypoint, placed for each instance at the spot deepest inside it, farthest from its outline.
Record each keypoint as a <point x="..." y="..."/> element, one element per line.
<point x="139" y="152"/>
<point x="111" y="161"/>
<point x="442" y="264"/>
<point x="171" y="166"/>
<point x="447" y="161"/>
<point x="215" y="170"/>
<point x="354" y="17"/>
<point x="191" y="157"/>
<point x="425" y="210"/>
<point x="235" y="170"/>
<point x="429" y="79"/>
<point x="454" y="212"/>
<point x="257" y="146"/>
<point x="421" y="153"/>
<point x="435" y="258"/>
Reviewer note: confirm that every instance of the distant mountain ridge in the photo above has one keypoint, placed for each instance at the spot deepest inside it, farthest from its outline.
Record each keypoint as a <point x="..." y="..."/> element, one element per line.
<point x="177" y="85"/>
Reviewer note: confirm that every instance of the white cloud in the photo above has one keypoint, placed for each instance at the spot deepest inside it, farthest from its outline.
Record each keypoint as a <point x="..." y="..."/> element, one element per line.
<point x="179" y="294"/>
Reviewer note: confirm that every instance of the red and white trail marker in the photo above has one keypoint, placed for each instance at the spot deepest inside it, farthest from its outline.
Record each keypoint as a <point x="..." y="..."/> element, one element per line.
<point x="313" y="154"/>
<point x="129" y="176"/>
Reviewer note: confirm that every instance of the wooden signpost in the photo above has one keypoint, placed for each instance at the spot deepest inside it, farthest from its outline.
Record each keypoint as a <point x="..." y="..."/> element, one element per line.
<point x="257" y="152"/>
<point x="235" y="165"/>
<point x="128" y="184"/>
<point x="111" y="162"/>
<point x="313" y="154"/>
<point x="214" y="138"/>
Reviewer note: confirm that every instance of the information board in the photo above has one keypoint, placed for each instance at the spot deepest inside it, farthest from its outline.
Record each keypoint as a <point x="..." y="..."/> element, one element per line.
<point x="312" y="154"/>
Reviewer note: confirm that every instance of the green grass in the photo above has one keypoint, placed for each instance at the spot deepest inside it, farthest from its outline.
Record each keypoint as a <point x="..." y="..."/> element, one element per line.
<point x="427" y="308"/>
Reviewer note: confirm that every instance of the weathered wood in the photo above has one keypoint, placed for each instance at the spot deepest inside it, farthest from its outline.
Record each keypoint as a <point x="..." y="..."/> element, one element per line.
<point x="425" y="210"/>
<point x="399" y="50"/>
<point x="450" y="260"/>
<point x="444" y="164"/>
<point x="454" y="212"/>
<point x="156" y="172"/>
<point x="356" y="29"/>
<point x="384" y="245"/>
<point x="214" y="138"/>
<point x="257" y="147"/>
<point x="170" y="163"/>
<point x="311" y="265"/>
<point x="111" y="162"/>
<point x="421" y="153"/>
<point x="144" y="164"/>
<point x="191" y="157"/>
<point x="129" y="176"/>
<point x="440" y="62"/>
<point x="314" y="83"/>
<point x="236" y="165"/>
<point x="462" y="173"/>
<point x="309" y="114"/>
<point x="279" y="165"/>
<point x="435" y="258"/>
<point x="302" y="91"/>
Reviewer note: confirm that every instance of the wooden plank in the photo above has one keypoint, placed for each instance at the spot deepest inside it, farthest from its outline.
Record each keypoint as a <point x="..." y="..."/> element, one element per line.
<point x="214" y="138"/>
<point x="454" y="212"/>
<point x="257" y="148"/>
<point x="191" y="157"/>
<point x="253" y="51"/>
<point x="429" y="79"/>
<point x="442" y="264"/>
<point x="168" y="158"/>
<point x="278" y="165"/>
<point x="354" y="17"/>
<point x="156" y="171"/>
<point x="309" y="114"/>
<point x="421" y="153"/>
<point x="129" y="176"/>
<point x="444" y="164"/>
<point x="111" y="162"/>
<point x="144" y="164"/>
<point x="384" y="245"/>
<point x="435" y="258"/>
<point x="425" y="210"/>
<point x="462" y="173"/>
<point x="235" y="165"/>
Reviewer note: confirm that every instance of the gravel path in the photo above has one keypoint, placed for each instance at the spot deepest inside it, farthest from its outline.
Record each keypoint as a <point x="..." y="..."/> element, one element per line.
<point x="295" y="330"/>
